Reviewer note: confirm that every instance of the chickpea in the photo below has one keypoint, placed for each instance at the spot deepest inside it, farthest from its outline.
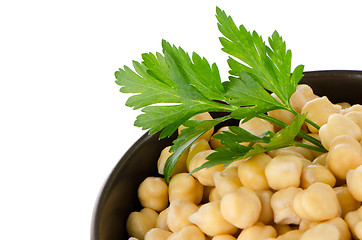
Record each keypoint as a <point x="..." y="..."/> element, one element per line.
<point x="185" y="187"/>
<point x="321" y="160"/>
<point x="284" y="171"/>
<point x="139" y="223"/>
<point x="210" y="220"/>
<point x="354" y="183"/>
<point x="215" y="143"/>
<point x="301" y="96"/>
<point x="157" y="234"/>
<point x="338" y="125"/>
<point x="316" y="173"/>
<point x="353" y="108"/>
<point x="252" y="172"/>
<point x="318" y="110"/>
<point x="133" y="238"/>
<point x="162" y="220"/>
<point x="227" y="181"/>
<point x="199" y="117"/>
<point x="354" y="221"/>
<point x="297" y="151"/>
<point x="345" y="154"/>
<point x="322" y="231"/>
<point x="306" y="224"/>
<point x="256" y="126"/>
<point x="205" y="176"/>
<point x="214" y="196"/>
<point x="317" y="203"/>
<point x="266" y="214"/>
<point x="355" y="117"/>
<point x="189" y="232"/>
<point x="180" y="164"/>
<point x="342" y="227"/>
<point x="257" y="232"/>
<point x="178" y="214"/>
<point x="223" y="237"/>
<point x="314" y="154"/>
<point x="152" y="193"/>
<point x="282" y="205"/>
<point x="206" y="194"/>
<point x="344" y="105"/>
<point x="280" y="114"/>
<point x="282" y="229"/>
<point x="346" y="200"/>
<point x="241" y="208"/>
<point x="198" y="146"/>
<point x="291" y="235"/>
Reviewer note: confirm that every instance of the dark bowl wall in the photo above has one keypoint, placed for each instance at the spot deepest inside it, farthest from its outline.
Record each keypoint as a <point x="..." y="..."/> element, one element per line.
<point x="118" y="197"/>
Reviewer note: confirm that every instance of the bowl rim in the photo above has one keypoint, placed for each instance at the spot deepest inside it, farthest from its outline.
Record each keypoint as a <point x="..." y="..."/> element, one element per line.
<point x="109" y="181"/>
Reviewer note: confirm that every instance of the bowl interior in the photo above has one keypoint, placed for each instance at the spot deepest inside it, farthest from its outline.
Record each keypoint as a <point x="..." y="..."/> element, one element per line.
<point x="118" y="197"/>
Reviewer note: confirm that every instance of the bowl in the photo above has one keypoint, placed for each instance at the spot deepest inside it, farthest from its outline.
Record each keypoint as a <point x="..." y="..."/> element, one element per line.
<point x="118" y="196"/>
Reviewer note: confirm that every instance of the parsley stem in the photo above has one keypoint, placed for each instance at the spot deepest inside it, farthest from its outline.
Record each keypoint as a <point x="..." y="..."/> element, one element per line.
<point x="307" y="120"/>
<point x="300" y="134"/>
<point x="314" y="148"/>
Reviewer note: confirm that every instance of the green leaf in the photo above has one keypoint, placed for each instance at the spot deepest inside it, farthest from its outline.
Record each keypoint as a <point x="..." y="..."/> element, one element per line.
<point x="156" y="81"/>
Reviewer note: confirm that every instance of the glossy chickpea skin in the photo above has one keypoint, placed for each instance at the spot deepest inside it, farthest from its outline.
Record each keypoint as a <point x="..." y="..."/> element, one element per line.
<point x="338" y="125"/>
<point x="214" y="196"/>
<point x="346" y="200"/>
<point x="180" y="165"/>
<point x="318" y="110"/>
<point x="355" y="116"/>
<point x="241" y="208"/>
<point x="210" y="220"/>
<point x="282" y="205"/>
<point x="206" y="175"/>
<point x="284" y="171"/>
<point x="227" y="181"/>
<point x="322" y="231"/>
<point x="153" y="193"/>
<point x="344" y="154"/>
<point x="162" y="220"/>
<point x="293" y="150"/>
<point x="252" y="172"/>
<point x="198" y="146"/>
<point x="199" y="117"/>
<point x="139" y="223"/>
<point x="257" y="232"/>
<point x="280" y="114"/>
<point x="342" y="227"/>
<point x="316" y="173"/>
<point x="257" y="126"/>
<point x="178" y="214"/>
<point x="291" y="235"/>
<point x="354" y="221"/>
<point x="266" y="214"/>
<point x="317" y="203"/>
<point x="354" y="183"/>
<point x="189" y="233"/>
<point x="185" y="187"/>
<point x="157" y="234"/>
<point x="301" y="96"/>
<point x="224" y="237"/>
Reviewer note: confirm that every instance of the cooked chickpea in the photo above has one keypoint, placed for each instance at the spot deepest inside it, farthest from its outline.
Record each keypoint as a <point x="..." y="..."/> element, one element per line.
<point x="185" y="187"/>
<point x="199" y="117"/>
<point x="306" y="225"/>
<point x="291" y="235"/>
<point x="198" y="146"/>
<point x="282" y="204"/>
<point x="252" y="172"/>
<point x="215" y="143"/>
<point x="284" y="171"/>
<point x="189" y="233"/>
<point x="162" y="220"/>
<point x="153" y="193"/>
<point x="338" y="125"/>
<point x="316" y="173"/>
<point x="353" y="108"/>
<point x="178" y="214"/>
<point x="210" y="220"/>
<point x="292" y="150"/>
<point x="354" y="183"/>
<point x="206" y="175"/>
<point x="321" y="159"/>
<point x="224" y="237"/>
<point x="354" y="221"/>
<point x="180" y="164"/>
<point x="214" y="196"/>
<point x="344" y="105"/>
<point x="257" y="232"/>
<point x="345" y="154"/>
<point x="312" y="152"/>
<point x="342" y="227"/>
<point x="318" y="110"/>
<point x="355" y="117"/>
<point x="257" y="126"/>
<point x="317" y="203"/>
<point x="139" y="223"/>
<point x="322" y="231"/>
<point x="227" y="181"/>
<point x="280" y="114"/>
<point x="301" y="96"/>
<point x="346" y="200"/>
<point x="241" y="207"/>
<point x="157" y="234"/>
<point x="266" y="214"/>
<point x="282" y="229"/>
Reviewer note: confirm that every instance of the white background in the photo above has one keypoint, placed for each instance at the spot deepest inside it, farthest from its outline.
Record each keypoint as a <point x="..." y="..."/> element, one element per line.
<point x="63" y="123"/>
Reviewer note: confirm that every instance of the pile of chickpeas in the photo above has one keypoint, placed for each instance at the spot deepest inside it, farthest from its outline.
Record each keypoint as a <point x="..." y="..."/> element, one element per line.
<point x="285" y="194"/>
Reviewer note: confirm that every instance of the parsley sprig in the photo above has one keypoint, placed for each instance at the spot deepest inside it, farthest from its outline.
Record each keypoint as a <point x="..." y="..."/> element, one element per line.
<point x="172" y="86"/>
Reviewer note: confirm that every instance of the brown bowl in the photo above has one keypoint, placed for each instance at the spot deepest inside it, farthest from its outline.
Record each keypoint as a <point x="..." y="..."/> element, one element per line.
<point x="118" y="197"/>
